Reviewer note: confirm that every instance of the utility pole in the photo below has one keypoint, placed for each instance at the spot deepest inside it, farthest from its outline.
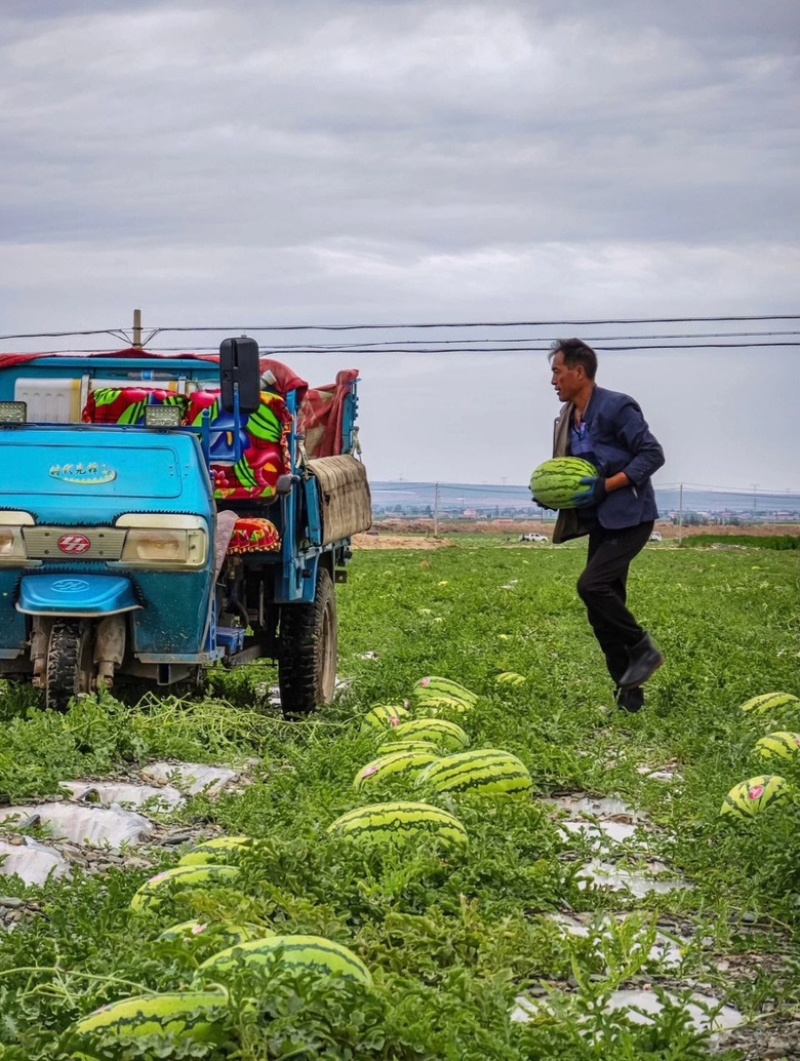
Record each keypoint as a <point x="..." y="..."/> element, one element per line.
<point x="680" y="513"/>
<point x="755" y="501"/>
<point x="436" y="511"/>
<point x="137" y="329"/>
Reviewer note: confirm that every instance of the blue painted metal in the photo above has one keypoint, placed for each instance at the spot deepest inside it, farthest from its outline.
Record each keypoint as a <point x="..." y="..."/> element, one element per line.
<point x="313" y="514"/>
<point x="78" y="475"/>
<point x="231" y="638"/>
<point x="76" y="595"/>
<point x="349" y="415"/>
<point x="87" y="473"/>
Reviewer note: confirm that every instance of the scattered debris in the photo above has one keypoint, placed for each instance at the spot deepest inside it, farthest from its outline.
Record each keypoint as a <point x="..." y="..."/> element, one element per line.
<point x="95" y="826"/>
<point x="607" y="875"/>
<point x="641" y="1005"/>
<point x="32" y="862"/>
<point x="665" y="952"/>
<point x="192" y="778"/>
<point x="123" y="793"/>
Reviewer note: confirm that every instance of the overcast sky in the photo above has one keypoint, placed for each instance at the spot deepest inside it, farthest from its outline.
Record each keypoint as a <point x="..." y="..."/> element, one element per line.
<point x="292" y="162"/>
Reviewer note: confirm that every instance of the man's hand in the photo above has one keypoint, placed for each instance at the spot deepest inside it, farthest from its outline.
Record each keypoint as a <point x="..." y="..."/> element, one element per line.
<point x="594" y="495"/>
<point x="536" y="501"/>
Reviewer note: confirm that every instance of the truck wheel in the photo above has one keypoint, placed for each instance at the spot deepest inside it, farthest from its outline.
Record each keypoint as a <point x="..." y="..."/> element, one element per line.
<point x="69" y="663"/>
<point x="308" y="650"/>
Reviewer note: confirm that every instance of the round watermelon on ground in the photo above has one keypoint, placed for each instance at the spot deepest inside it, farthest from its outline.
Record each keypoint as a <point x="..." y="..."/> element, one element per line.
<point x="749" y="798"/>
<point x="399" y="822"/>
<point x="385" y="716"/>
<point x="782" y="744"/>
<point x="488" y="771"/>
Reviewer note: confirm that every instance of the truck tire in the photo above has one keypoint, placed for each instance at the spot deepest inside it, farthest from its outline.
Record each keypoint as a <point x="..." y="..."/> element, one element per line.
<point x="69" y="663"/>
<point x="307" y="650"/>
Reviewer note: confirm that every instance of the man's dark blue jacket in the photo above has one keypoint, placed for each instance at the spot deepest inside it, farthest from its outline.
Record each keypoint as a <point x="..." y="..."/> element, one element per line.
<point x="622" y="442"/>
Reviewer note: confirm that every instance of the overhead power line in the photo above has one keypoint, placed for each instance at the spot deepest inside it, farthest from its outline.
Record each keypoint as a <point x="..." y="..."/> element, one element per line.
<point x="451" y="350"/>
<point x="122" y="333"/>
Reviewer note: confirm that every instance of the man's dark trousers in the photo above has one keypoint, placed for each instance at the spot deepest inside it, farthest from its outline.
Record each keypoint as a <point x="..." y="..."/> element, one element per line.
<point x="602" y="588"/>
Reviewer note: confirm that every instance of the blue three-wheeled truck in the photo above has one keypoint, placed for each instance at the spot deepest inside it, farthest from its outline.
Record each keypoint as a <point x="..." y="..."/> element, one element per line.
<point x="163" y="514"/>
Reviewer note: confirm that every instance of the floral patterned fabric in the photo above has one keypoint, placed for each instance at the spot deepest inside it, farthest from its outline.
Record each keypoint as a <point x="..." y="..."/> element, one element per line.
<point x="254" y="536"/>
<point x="126" y="405"/>
<point x="263" y="438"/>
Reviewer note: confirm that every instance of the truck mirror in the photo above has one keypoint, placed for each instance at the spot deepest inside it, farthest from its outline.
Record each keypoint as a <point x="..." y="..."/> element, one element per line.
<point x="239" y="370"/>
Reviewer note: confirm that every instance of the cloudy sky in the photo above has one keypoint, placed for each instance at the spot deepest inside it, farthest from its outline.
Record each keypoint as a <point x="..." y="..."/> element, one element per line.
<point x="280" y="162"/>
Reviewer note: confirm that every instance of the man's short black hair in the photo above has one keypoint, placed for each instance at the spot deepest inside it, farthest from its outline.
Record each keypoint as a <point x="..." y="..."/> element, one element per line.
<point x="576" y="352"/>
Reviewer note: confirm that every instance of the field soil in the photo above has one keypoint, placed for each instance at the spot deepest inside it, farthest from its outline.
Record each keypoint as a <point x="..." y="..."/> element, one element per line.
<point x="418" y="534"/>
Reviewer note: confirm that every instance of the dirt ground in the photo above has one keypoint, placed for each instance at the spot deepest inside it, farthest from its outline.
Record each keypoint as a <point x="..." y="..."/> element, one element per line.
<point x="399" y="541"/>
<point x="418" y="534"/>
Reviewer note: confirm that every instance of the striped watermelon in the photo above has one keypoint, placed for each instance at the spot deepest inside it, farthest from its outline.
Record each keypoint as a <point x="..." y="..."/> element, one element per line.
<point x="187" y="1014"/>
<point x="760" y="705"/>
<point x="301" y="952"/>
<point x="750" y="798"/>
<point x="442" y="692"/>
<point x="220" y="850"/>
<point x="405" y="762"/>
<point x="181" y="878"/>
<point x="489" y="771"/>
<point x="510" y="677"/>
<point x="384" y="716"/>
<point x="778" y="745"/>
<point x="446" y="734"/>
<point x="556" y="482"/>
<point x="400" y="822"/>
<point x="408" y="746"/>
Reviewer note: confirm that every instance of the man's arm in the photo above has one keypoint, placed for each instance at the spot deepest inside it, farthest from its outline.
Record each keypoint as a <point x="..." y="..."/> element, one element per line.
<point x="648" y="456"/>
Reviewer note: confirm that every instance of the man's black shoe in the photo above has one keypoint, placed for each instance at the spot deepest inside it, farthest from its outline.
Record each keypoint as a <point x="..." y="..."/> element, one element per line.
<point x="645" y="659"/>
<point x="630" y="700"/>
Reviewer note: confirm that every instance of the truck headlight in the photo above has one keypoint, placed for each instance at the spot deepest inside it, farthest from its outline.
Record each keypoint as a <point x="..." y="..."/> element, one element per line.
<point x="164" y="541"/>
<point x="12" y="544"/>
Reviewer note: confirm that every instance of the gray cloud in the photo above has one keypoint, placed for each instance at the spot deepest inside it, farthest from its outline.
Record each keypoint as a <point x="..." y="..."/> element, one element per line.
<point x="314" y="161"/>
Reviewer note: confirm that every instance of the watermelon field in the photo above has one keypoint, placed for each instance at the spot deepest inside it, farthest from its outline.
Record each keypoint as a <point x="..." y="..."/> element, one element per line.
<point x="602" y="910"/>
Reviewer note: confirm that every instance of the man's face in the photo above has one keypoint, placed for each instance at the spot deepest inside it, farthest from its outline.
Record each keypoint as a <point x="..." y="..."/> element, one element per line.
<point x="566" y="381"/>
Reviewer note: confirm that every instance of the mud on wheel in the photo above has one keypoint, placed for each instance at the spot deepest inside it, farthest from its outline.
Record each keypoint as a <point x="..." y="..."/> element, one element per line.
<point x="69" y="662"/>
<point x="308" y="650"/>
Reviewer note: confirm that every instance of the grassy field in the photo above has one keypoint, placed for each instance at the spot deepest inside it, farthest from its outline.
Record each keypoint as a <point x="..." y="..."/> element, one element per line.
<point x="451" y="937"/>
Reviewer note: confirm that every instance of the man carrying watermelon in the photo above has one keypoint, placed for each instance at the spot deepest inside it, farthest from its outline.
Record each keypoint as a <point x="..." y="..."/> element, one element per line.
<point x="616" y="508"/>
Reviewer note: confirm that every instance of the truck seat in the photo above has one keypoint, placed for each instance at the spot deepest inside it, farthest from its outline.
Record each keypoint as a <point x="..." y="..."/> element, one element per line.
<point x="234" y="534"/>
<point x="254" y="535"/>
<point x="126" y="405"/>
<point x="263" y="435"/>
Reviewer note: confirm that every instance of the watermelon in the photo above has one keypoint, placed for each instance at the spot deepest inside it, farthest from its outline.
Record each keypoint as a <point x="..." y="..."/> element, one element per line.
<point x="446" y="734"/>
<point x="510" y="677"/>
<point x="300" y="952"/>
<point x="405" y="762"/>
<point x="442" y="692"/>
<point x="182" y="878"/>
<point x="750" y="798"/>
<point x="778" y="745"/>
<point x="408" y="746"/>
<point x="187" y="1014"/>
<point x="384" y="716"/>
<point x="760" y="705"/>
<point x="220" y="850"/>
<point x="489" y="771"/>
<point x="399" y="822"/>
<point x="556" y="482"/>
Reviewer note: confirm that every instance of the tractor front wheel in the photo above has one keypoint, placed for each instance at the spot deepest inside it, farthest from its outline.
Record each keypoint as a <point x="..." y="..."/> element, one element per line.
<point x="69" y="662"/>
